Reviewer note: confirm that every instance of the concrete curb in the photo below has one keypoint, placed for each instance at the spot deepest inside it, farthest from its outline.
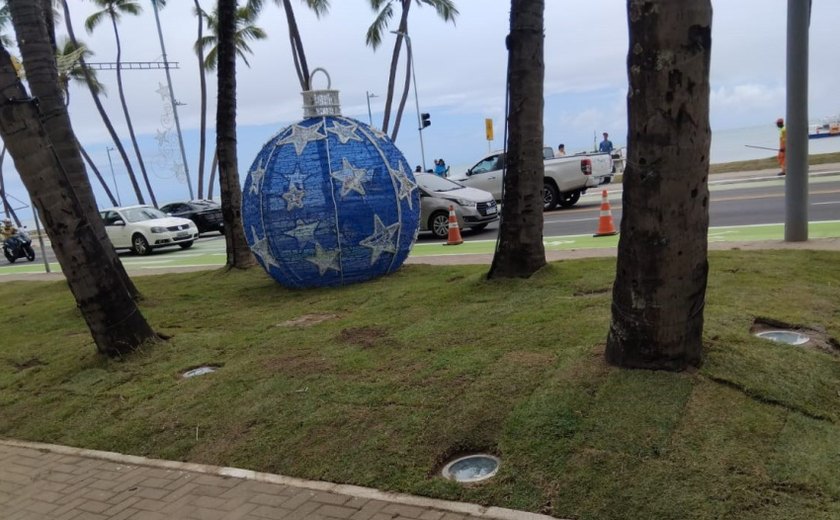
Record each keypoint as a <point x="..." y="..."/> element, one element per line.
<point x="496" y="513"/>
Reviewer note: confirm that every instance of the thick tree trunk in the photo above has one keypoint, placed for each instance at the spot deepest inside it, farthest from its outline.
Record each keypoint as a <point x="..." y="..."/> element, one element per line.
<point x="42" y="77"/>
<point x="116" y="324"/>
<point x="660" y="286"/>
<point x="520" y="251"/>
<point x="238" y="253"/>
<point x="104" y="115"/>
<point x="128" y="123"/>
<point x="202" y="76"/>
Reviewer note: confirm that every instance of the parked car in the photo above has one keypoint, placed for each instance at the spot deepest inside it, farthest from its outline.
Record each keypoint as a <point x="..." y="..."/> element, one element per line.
<point x="143" y="228"/>
<point x="474" y="208"/>
<point x="206" y="214"/>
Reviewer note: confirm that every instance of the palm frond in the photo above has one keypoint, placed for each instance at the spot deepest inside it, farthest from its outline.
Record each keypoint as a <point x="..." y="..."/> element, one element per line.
<point x="319" y="7"/>
<point x="380" y="23"/>
<point x="445" y="8"/>
<point x="94" y="20"/>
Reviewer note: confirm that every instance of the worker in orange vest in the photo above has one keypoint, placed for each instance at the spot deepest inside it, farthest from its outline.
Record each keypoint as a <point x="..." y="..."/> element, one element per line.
<point x="780" y="123"/>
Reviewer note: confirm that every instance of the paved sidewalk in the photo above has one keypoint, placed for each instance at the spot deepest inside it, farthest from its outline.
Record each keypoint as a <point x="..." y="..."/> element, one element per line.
<point x="43" y="481"/>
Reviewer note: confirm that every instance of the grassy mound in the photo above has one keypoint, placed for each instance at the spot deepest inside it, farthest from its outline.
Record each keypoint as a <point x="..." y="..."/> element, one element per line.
<point x="379" y="384"/>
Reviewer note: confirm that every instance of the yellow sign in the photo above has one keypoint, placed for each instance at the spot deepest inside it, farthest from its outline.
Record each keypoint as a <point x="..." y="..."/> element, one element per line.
<point x="488" y="128"/>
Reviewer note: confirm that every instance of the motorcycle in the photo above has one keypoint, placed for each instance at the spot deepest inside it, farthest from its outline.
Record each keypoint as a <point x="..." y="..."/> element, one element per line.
<point x="18" y="246"/>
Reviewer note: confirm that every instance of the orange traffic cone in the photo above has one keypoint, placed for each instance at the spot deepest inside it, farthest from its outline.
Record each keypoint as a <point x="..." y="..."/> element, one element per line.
<point x="454" y="232"/>
<point x="605" y="221"/>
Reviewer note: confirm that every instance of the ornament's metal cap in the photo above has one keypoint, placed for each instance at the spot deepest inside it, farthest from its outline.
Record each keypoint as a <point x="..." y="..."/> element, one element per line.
<point x="320" y="102"/>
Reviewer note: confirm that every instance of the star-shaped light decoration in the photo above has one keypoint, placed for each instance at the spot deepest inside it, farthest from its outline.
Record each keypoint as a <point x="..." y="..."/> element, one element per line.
<point x="378" y="133"/>
<point x="162" y="91"/>
<point x="294" y="197"/>
<point x="261" y="249"/>
<point x="303" y="232"/>
<point x="345" y="133"/>
<point x="406" y="186"/>
<point x="352" y="179"/>
<point x="257" y="176"/>
<point x="324" y="259"/>
<point x="162" y="137"/>
<point x="302" y="135"/>
<point x="382" y="239"/>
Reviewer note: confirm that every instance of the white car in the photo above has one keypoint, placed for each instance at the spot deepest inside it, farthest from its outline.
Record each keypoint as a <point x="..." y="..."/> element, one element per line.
<point x="143" y="228"/>
<point x="473" y="208"/>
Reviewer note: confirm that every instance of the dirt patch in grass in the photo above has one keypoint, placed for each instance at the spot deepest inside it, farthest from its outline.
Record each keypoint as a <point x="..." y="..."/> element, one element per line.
<point x="365" y="337"/>
<point x="20" y="366"/>
<point x="818" y="338"/>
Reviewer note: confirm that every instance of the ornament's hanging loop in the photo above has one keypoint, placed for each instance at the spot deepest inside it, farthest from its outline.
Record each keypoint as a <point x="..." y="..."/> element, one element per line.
<point x="320" y="102"/>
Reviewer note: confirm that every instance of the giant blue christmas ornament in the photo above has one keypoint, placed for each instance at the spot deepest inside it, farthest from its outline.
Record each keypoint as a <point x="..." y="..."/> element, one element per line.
<point x="329" y="200"/>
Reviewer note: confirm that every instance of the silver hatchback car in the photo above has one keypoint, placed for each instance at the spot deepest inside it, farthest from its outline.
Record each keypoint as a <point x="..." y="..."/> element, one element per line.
<point x="474" y="208"/>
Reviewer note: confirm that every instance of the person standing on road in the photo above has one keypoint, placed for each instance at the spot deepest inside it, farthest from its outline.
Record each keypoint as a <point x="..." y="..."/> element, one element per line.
<point x="780" y="124"/>
<point x="606" y="145"/>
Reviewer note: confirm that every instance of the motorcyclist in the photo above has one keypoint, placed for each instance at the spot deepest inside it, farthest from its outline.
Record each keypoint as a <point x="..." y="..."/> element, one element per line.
<point x="8" y="230"/>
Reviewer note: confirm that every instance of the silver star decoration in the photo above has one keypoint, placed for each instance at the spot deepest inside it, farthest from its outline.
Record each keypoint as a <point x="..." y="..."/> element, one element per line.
<point x="294" y="197"/>
<point x="352" y="179"/>
<point x="345" y="133"/>
<point x="162" y="137"/>
<point x="302" y="135"/>
<point x="378" y="133"/>
<point x="382" y="239"/>
<point x="303" y="232"/>
<point x="406" y="184"/>
<point x="257" y="176"/>
<point x="261" y="249"/>
<point x="162" y="91"/>
<point x="324" y="259"/>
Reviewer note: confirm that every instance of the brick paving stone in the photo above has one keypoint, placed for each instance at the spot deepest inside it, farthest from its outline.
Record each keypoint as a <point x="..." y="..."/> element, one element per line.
<point x="403" y="510"/>
<point x="330" y="498"/>
<point x="332" y="511"/>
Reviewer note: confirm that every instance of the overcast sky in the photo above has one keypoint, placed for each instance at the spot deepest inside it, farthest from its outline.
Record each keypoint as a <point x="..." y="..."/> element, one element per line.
<point x="460" y="76"/>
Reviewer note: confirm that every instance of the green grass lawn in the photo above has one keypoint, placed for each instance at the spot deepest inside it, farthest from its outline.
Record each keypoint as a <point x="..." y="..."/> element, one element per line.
<point x="379" y="384"/>
<point x="770" y="163"/>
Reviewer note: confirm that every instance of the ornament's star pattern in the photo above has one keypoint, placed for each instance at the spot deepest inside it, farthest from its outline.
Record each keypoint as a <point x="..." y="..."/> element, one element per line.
<point x="382" y="240"/>
<point x="302" y="135"/>
<point x="294" y="197"/>
<point x="162" y="91"/>
<point x="303" y="232"/>
<point x="352" y="179"/>
<point x="378" y="133"/>
<point x="345" y="133"/>
<point x="261" y="250"/>
<point x="406" y="184"/>
<point x="324" y="259"/>
<point x="257" y="176"/>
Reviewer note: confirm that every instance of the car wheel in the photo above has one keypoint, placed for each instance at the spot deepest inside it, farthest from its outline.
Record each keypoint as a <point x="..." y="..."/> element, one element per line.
<point x="140" y="245"/>
<point x="549" y="196"/>
<point x="439" y="224"/>
<point x="567" y="200"/>
<point x="478" y="228"/>
<point x="186" y="245"/>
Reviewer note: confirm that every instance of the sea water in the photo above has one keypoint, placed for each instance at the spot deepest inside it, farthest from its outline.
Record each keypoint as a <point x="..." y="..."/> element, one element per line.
<point x="731" y="145"/>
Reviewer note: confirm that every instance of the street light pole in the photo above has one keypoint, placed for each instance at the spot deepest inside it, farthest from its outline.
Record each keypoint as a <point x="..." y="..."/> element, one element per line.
<point x="172" y="100"/>
<point x="416" y="99"/>
<point x="796" y="182"/>
<point x="370" y="95"/>
<point x="113" y="177"/>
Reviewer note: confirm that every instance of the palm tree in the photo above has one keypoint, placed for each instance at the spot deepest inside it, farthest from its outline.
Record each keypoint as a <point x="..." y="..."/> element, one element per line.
<point x="660" y="287"/>
<point x="319" y="7"/>
<point x="202" y="75"/>
<point x="238" y="253"/>
<point x="41" y="140"/>
<point x="91" y="82"/>
<point x="385" y="12"/>
<point x="114" y="9"/>
<point x="520" y="251"/>
<point x="206" y="48"/>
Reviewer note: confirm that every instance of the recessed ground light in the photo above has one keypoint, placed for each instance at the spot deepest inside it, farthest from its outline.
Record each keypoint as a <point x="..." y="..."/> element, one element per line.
<point x="784" y="336"/>
<point x="200" y="371"/>
<point x="472" y="468"/>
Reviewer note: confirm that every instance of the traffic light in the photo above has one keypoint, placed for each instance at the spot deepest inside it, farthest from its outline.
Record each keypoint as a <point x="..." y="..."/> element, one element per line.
<point x="426" y="120"/>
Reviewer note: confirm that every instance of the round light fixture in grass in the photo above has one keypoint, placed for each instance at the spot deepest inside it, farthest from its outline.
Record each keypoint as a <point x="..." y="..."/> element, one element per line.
<point x="472" y="468"/>
<point x="784" y="336"/>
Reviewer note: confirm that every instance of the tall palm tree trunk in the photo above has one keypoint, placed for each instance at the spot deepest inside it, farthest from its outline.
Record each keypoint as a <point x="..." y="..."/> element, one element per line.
<point x="104" y="115"/>
<point x="214" y="164"/>
<point x="115" y="322"/>
<point x="660" y="287"/>
<point x="238" y="253"/>
<point x="128" y="116"/>
<point x="520" y="251"/>
<point x="395" y="58"/>
<point x="298" y="54"/>
<point x="409" y="63"/>
<point x="8" y="210"/>
<point x="96" y="172"/>
<point x="202" y="76"/>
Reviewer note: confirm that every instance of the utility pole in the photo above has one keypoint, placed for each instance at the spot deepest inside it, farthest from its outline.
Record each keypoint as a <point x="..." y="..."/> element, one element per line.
<point x="796" y="147"/>
<point x="113" y="177"/>
<point x="172" y="100"/>
<point x="370" y="115"/>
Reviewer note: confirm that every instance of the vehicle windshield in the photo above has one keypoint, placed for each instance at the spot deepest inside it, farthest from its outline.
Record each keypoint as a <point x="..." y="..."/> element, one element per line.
<point x="141" y="214"/>
<point x="435" y="183"/>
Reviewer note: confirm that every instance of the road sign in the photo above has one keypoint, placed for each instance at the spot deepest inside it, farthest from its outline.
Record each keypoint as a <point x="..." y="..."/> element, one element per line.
<point x="488" y="128"/>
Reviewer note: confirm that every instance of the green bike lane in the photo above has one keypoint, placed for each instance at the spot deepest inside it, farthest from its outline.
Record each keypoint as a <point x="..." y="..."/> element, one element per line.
<point x="211" y="253"/>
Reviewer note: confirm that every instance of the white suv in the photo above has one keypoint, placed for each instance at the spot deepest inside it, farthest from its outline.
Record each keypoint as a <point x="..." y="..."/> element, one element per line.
<point x="474" y="208"/>
<point x="143" y="228"/>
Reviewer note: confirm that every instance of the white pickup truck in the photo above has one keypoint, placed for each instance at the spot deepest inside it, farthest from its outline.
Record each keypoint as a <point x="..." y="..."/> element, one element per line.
<point x="566" y="178"/>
